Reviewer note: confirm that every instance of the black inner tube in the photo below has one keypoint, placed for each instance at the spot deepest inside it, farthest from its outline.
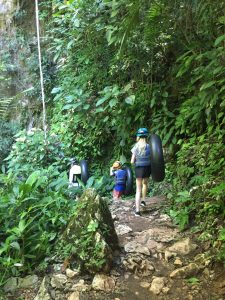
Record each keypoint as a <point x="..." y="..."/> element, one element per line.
<point x="157" y="158"/>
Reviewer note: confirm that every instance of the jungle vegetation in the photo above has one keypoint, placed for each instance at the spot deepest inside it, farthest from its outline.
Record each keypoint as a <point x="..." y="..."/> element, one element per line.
<point x="111" y="67"/>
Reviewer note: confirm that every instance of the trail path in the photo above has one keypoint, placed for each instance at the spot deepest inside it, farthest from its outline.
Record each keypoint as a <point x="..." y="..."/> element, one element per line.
<point x="160" y="262"/>
<point x="155" y="261"/>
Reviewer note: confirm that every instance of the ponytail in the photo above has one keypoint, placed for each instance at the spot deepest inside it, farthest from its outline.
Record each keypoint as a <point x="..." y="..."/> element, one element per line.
<point x="141" y="145"/>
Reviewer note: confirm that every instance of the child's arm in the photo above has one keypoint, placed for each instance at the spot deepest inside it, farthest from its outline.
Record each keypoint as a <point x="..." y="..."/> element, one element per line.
<point x="112" y="172"/>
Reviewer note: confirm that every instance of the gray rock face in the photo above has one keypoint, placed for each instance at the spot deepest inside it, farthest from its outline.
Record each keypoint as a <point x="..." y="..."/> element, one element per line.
<point x="15" y="283"/>
<point x="43" y="293"/>
<point x="28" y="281"/>
<point x="91" y="233"/>
<point x="6" y="12"/>
<point x="11" y="285"/>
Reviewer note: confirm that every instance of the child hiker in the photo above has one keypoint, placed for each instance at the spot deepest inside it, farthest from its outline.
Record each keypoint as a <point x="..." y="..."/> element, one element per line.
<point x="120" y="180"/>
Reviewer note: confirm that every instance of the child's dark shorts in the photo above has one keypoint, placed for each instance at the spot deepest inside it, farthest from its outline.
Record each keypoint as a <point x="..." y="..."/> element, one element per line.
<point x="143" y="172"/>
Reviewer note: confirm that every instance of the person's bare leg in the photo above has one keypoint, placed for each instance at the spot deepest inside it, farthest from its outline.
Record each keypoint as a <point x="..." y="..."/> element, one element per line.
<point x="144" y="188"/>
<point x="138" y="193"/>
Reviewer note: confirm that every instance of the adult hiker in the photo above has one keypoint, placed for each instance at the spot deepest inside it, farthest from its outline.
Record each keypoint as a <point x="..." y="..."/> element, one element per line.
<point x="141" y="159"/>
<point x="74" y="173"/>
<point x="120" y="179"/>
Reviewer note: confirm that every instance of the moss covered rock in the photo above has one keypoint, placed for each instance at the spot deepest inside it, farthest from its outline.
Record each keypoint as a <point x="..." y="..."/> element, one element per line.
<point x="90" y="236"/>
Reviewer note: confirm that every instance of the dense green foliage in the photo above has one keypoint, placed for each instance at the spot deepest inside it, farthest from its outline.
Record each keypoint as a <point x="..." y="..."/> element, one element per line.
<point x="111" y="67"/>
<point x="7" y="131"/>
<point x="37" y="208"/>
<point x="34" y="202"/>
<point x="161" y="67"/>
<point x="160" y="64"/>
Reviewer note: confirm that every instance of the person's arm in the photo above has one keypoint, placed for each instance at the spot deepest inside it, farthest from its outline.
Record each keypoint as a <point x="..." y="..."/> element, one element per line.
<point x="112" y="173"/>
<point x="71" y="175"/>
<point x="133" y="158"/>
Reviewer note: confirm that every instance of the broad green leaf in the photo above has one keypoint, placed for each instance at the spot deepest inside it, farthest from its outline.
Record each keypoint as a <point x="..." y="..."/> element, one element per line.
<point x="33" y="178"/>
<point x="219" y="40"/>
<point x="90" y="182"/>
<point x="168" y="135"/>
<point x="123" y="159"/>
<point x="152" y="103"/>
<point x="15" y="245"/>
<point x="71" y="106"/>
<point x="207" y="85"/>
<point x="86" y="106"/>
<point x="102" y="100"/>
<point x="69" y="98"/>
<point x="127" y="87"/>
<point x="113" y="102"/>
<point x="76" y="23"/>
<point x="100" y="109"/>
<point x="106" y="119"/>
<point x="55" y="90"/>
<point x="28" y="90"/>
<point x="130" y="99"/>
<point x="22" y="226"/>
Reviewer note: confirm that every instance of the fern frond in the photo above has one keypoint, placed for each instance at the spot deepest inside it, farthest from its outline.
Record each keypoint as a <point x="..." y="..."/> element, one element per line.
<point x="4" y="105"/>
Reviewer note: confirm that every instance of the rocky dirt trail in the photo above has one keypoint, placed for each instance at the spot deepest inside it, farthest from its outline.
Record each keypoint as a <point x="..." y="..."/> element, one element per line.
<point x="159" y="262"/>
<point x="155" y="261"/>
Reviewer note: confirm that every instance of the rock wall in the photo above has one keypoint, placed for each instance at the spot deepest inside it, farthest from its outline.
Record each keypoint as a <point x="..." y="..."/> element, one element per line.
<point x="7" y="9"/>
<point x="17" y="51"/>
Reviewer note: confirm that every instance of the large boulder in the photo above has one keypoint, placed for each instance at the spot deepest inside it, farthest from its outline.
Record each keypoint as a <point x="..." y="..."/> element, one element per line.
<point x="90" y="235"/>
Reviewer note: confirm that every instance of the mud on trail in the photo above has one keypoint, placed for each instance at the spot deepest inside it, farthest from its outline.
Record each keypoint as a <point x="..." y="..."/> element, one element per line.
<point x="154" y="261"/>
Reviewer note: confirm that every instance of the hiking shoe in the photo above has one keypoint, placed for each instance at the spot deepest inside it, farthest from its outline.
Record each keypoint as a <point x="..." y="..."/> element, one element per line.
<point x="137" y="213"/>
<point x="143" y="203"/>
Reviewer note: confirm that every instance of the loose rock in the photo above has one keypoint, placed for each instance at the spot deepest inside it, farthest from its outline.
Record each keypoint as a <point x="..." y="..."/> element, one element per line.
<point x="178" y="262"/>
<point x="145" y="284"/>
<point x="58" y="280"/>
<point x="71" y="274"/>
<point x="183" y="247"/>
<point x="134" y="246"/>
<point x="74" y="296"/>
<point x="122" y="229"/>
<point x="81" y="286"/>
<point x="169" y="254"/>
<point x="28" y="281"/>
<point x="103" y="283"/>
<point x="11" y="285"/>
<point x="157" y="285"/>
<point x="184" y="272"/>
